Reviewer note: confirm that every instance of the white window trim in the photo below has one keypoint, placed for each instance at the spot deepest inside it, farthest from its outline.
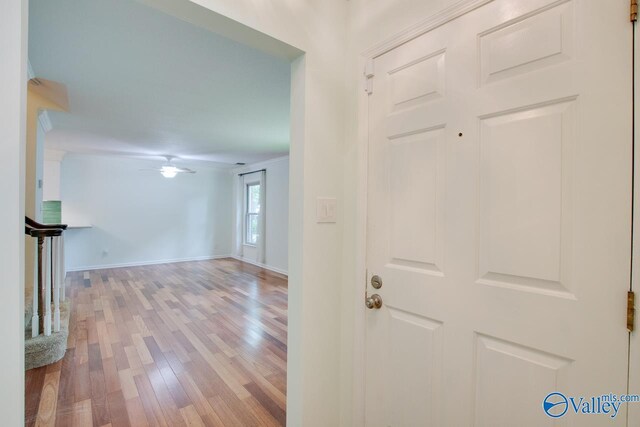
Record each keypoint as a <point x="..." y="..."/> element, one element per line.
<point x="246" y="213"/>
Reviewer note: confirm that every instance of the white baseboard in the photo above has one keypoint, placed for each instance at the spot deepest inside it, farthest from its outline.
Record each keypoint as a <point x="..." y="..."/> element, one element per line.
<point x="265" y="266"/>
<point x="143" y="263"/>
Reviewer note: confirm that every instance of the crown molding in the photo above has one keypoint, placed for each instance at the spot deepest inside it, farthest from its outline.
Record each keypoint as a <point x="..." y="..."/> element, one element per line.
<point x="44" y="121"/>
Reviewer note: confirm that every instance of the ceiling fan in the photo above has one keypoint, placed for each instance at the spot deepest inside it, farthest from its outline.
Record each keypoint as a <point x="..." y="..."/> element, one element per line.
<point x="169" y="170"/>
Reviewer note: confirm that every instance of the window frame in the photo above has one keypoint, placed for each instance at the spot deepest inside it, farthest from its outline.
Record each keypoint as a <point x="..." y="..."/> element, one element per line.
<point x="249" y="215"/>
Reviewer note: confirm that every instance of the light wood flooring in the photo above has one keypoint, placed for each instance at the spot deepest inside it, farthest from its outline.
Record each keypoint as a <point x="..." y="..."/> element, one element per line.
<point x="192" y="343"/>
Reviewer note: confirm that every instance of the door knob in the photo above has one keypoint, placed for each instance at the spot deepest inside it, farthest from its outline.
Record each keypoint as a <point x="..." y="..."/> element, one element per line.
<point x="373" y="302"/>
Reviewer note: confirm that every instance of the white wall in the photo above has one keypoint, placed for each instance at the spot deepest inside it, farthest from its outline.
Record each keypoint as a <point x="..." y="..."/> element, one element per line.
<point x="141" y="217"/>
<point x="13" y="83"/>
<point x="277" y="213"/>
<point x="40" y="136"/>
<point x="51" y="174"/>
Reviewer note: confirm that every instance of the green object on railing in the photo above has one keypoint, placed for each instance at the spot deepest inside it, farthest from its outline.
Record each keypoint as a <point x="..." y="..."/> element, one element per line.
<point x="52" y="212"/>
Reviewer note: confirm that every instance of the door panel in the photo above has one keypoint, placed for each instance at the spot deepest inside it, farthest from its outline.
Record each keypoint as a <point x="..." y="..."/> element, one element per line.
<point x="525" y="193"/>
<point x="533" y="41"/>
<point x="500" y="364"/>
<point x="499" y="216"/>
<point x="419" y="369"/>
<point x="416" y="167"/>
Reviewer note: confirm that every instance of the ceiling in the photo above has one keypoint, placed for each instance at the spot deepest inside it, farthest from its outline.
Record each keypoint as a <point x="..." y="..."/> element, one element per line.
<point x="143" y="83"/>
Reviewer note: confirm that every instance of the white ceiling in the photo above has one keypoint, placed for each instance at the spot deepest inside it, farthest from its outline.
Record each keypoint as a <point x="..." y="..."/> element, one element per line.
<point x="144" y="83"/>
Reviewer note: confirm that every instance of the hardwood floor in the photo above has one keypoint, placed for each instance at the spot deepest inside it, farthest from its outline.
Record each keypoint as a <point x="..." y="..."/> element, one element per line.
<point x="192" y="343"/>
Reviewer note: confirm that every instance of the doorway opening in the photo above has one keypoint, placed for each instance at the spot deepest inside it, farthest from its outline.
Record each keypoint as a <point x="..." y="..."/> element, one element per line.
<point x="169" y="162"/>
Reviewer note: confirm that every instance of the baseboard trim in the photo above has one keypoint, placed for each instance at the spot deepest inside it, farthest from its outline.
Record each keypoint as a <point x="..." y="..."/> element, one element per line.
<point x="265" y="266"/>
<point x="143" y="263"/>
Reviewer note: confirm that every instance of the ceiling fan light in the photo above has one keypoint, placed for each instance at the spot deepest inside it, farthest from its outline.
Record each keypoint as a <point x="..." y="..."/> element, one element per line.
<point x="169" y="171"/>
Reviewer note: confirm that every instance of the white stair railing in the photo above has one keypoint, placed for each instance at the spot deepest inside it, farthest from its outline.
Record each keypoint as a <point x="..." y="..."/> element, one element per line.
<point x="47" y="253"/>
<point x="49" y="276"/>
<point x="63" y="268"/>
<point x="35" y="318"/>
<point x="57" y="279"/>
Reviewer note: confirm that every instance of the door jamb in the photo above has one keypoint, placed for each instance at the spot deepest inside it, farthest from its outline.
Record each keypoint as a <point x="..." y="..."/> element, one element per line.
<point x="633" y="386"/>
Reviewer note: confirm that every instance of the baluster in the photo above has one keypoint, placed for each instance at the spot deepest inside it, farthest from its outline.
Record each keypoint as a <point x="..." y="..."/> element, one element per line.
<point x="41" y="284"/>
<point x="47" y="295"/>
<point x="35" y="318"/>
<point x="63" y="269"/>
<point x="56" y="282"/>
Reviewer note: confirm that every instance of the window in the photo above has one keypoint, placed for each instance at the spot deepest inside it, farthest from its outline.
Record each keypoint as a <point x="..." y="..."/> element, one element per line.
<point x="252" y="212"/>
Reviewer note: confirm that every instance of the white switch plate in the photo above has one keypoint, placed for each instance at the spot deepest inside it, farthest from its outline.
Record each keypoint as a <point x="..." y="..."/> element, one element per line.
<point x="326" y="209"/>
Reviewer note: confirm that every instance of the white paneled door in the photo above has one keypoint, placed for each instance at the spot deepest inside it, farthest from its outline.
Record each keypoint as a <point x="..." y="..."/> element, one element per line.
<point x="499" y="212"/>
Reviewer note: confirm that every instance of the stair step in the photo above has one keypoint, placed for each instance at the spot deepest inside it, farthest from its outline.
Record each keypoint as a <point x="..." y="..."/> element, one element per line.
<point x="45" y="350"/>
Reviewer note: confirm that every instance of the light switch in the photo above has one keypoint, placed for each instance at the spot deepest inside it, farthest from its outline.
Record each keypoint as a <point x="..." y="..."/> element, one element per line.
<point x="326" y="209"/>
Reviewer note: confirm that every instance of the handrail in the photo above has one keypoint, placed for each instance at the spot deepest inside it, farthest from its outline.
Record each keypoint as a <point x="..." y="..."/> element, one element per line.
<point x="43" y="232"/>
<point x="37" y="225"/>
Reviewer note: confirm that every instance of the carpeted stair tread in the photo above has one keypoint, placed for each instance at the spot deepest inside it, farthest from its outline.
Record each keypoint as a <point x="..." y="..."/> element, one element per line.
<point x="43" y="350"/>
